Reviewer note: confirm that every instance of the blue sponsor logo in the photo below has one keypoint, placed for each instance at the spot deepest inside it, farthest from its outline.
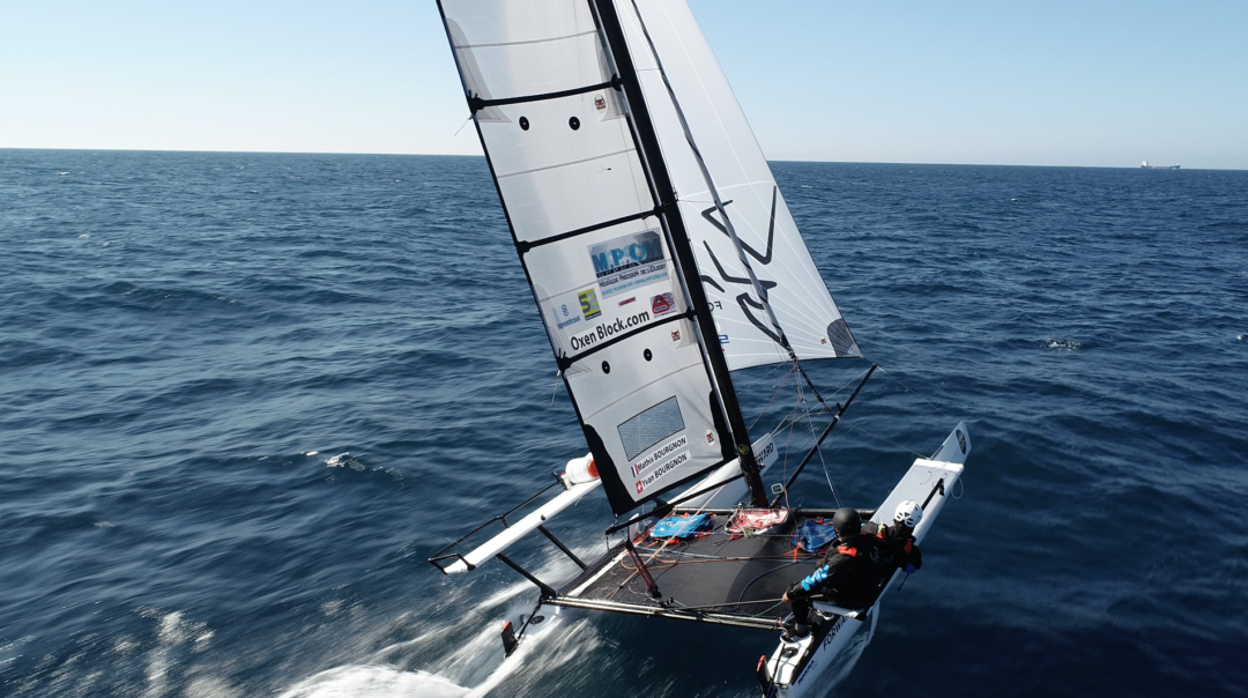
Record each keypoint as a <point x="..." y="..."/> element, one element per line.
<point x="626" y="252"/>
<point x="568" y="317"/>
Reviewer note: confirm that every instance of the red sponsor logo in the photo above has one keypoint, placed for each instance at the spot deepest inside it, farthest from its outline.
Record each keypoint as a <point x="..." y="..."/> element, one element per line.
<point x="662" y="303"/>
<point x="639" y="487"/>
<point x="626" y="301"/>
<point x="600" y="103"/>
<point x="676" y="336"/>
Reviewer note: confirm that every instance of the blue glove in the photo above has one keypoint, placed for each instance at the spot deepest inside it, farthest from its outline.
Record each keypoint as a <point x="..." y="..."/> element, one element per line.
<point x="818" y="576"/>
<point x="910" y="568"/>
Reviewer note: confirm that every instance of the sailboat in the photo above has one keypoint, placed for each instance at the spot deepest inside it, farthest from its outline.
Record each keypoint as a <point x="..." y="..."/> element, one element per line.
<point x="663" y="258"/>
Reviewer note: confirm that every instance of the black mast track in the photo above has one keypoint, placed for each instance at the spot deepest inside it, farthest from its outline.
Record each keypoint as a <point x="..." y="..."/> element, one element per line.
<point x="613" y="33"/>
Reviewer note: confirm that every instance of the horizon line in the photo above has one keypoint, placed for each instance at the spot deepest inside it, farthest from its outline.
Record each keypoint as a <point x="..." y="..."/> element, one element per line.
<point x="473" y="155"/>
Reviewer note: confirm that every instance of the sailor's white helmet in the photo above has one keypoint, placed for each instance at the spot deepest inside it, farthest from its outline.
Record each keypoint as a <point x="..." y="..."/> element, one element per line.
<point x="909" y="513"/>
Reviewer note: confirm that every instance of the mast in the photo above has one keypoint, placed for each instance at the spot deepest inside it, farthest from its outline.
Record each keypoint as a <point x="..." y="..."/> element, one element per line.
<point x="652" y="157"/>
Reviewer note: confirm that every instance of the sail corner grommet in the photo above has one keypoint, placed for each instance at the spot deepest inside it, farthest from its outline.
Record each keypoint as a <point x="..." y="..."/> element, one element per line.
<point x="524" y="123"/>
<point x="575" y="123"/>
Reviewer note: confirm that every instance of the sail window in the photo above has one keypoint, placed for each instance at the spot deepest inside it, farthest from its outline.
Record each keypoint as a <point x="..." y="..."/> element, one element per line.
<point x="650" y="427"/>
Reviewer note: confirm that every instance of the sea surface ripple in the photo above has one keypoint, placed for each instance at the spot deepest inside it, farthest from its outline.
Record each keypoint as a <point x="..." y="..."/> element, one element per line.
<point x="245" y="396"/>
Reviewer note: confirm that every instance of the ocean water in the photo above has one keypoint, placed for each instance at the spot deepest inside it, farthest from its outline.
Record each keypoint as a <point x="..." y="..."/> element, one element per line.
<point x="243" y="397"/>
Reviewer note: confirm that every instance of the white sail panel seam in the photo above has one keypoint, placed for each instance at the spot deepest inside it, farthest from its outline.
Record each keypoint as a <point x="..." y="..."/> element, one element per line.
<point x="731" y="147"/>
<point x="531" y="42"/>
<point x="582" y="161"/>
<point x="693" y="198"/>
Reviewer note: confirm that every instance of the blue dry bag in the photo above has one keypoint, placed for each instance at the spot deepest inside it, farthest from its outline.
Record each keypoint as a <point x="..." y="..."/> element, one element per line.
<point x="813" y="534"/>
<point x="681" y="526"/>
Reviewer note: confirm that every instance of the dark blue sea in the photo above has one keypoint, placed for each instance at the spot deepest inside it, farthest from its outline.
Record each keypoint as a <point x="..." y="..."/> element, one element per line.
<point x="243" y="397"/>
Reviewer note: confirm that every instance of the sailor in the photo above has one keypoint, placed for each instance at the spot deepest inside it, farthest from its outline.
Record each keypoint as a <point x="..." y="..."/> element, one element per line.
<point x="897" y="541"/>
<point x="848" y="575"/>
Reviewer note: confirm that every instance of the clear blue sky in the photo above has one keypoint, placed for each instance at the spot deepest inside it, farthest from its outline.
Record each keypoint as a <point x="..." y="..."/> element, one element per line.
<point x="1029" y="82"/>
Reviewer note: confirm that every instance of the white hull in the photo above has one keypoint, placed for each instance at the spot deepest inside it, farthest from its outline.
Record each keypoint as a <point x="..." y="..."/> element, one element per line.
<point x="826" y="662"/>
<point x="801" y="668"/>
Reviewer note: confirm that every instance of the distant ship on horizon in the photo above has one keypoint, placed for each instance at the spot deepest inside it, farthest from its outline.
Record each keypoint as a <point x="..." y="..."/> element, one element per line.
<point x="1149" y="166"/>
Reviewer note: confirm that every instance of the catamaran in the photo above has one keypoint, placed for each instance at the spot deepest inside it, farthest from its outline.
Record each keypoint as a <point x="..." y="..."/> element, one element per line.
<point x="662" y="257"/>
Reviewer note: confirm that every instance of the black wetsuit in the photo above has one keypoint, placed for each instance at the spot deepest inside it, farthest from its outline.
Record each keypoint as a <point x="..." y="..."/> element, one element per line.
<point x="899" y="549"/>
<point x="848" y="577"/>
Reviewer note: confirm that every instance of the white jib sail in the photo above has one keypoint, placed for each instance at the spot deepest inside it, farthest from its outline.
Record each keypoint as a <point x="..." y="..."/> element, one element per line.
<point x="773" y="246"/>
<point x="588" y="232"/>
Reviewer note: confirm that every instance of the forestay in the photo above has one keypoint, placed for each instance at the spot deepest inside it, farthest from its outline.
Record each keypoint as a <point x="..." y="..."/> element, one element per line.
<point x="591" y="232"/>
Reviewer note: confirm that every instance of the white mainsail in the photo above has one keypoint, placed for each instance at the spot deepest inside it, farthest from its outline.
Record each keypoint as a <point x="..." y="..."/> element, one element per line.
<point x="592" y="237"/>
<point x="646" y="297"/>
<point x="772" y="244"/>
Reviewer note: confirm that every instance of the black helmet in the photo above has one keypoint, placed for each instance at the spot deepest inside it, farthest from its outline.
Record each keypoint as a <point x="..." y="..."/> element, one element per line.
<point x="847" y="522"/>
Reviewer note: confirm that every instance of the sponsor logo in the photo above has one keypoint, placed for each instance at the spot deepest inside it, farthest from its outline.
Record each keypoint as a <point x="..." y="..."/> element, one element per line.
<point x="768" y="450"/>
<point x="600" y="103"/>
<point x="662" y="303"/>
<point x="607" y="330"/>
<point x="565" y="317"/>
<point x="723" y="339"/>
<point x="626" y="301"/>
<point x="675" y="335"/>
<point x="640" y="487"/>
<point x="627" y="262"/>
<point x="589" y="304"/>
<point x="710" y="436"/>
<point x="761" y="261"/>
<point x="823" y="340"/>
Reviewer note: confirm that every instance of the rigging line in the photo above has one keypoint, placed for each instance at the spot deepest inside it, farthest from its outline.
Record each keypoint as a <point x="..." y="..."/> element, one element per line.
<point x="961" y="490"/>
<point x="769" y="402"/>
<point x="461" y="126"/>
<point x="835" y="495"/>
<point x="890" y="442"/>
<point x="785" y="472"/>
<point x="835" y="420"/>
<point x="789" y="423"/>
<point x="924" y="399"/>
<point x="850" y="381"/>
<point x="719" y="204"/>
<point x="823" y="464"/>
